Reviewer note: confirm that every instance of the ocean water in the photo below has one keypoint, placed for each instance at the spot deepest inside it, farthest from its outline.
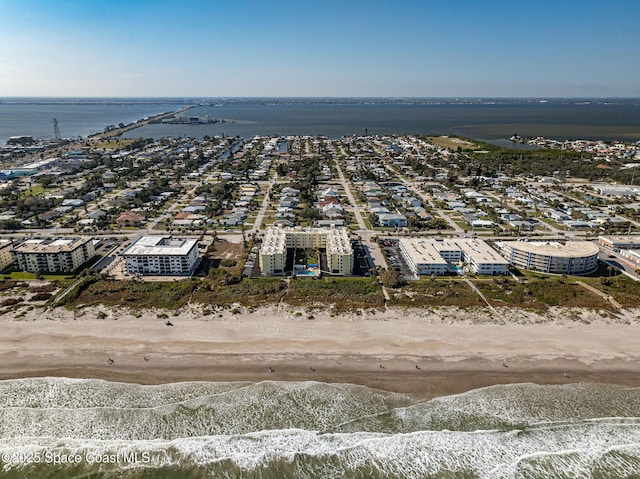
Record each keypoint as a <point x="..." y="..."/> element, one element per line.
<point x="484" y="119"/>
<point x="75" y="428"/>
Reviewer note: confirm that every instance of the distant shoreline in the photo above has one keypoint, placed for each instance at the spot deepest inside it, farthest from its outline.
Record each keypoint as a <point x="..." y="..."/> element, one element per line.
<point x="419" y="354"/>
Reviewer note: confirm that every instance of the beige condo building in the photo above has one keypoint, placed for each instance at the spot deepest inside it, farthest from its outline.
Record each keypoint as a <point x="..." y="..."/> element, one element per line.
<point x="273" y="253"/>
<point x="5" y="254"/>
<point x="60" y="255"/>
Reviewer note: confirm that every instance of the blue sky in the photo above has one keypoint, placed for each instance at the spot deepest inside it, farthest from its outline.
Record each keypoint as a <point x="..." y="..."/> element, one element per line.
<point x="419" y="48"/>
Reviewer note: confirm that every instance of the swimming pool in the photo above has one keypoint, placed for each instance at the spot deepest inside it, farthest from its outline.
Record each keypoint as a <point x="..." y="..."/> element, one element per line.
<point x="306" y="273"/>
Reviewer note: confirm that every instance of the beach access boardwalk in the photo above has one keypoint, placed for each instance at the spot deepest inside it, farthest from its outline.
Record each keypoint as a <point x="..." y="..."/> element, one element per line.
<point x="603" y="295"/>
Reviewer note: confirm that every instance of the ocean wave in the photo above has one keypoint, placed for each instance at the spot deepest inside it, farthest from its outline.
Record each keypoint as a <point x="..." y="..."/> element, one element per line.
<point x="280" y="429"/>
<point x="574" y="451"/>
<point x="505" y="407"/>
<point x="100" y="410"/>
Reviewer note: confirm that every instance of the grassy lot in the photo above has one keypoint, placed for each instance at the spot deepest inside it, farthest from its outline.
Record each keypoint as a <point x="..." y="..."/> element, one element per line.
<point x="451" y="143"/>
<point x="34" y="190"/>
<point x="24" y="276"/>
<point x="540" y="293"/>
<point x="343" y="293"/>
<point x="114" y="144"/>
<point x="440" y="292"/>
<point x="554" y="224"/>
<point x="136" y="294"/>
<point x="624" y="290"/>
<point x="463" y="224"/>
<point x="225" y="250"/>
<point x="248" y="292"/>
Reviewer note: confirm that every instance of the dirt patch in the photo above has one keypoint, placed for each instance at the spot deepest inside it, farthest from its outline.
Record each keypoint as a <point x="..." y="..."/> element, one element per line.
<point x="224" y="250"/>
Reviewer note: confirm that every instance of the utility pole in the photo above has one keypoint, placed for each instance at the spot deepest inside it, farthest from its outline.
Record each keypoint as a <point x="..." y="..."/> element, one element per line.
<point x="56" y="129"/>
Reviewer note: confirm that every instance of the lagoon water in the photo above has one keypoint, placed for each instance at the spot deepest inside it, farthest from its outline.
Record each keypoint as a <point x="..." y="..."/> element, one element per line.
<point x="479" y="119"/>
<point x="315" y="430"/>
<point x="488" y="119"/>
<point x="77" y="117"/>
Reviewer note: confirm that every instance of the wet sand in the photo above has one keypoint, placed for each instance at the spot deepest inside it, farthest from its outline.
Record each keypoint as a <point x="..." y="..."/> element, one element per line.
<point x="454" y="351"/>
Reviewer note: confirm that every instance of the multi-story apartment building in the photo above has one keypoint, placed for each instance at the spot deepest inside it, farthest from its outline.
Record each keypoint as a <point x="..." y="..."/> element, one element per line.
<point x="273" y="253"/>
<point x="60" y="255"/>
<point x="161" y="255"/>
<point x="572" y="257"/>
<point x="426" y="256"/>
<point x="5" y="254"/>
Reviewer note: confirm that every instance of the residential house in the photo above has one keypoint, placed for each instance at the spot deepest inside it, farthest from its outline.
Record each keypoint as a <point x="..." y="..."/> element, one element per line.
<point x="394" y="220"/>
<point x="130" y="218"/>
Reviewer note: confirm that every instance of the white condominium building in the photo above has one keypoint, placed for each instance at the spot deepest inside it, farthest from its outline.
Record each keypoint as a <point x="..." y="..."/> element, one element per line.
<point x="422" y="258"/>
<point x="61" y="255"/>
<point x="161" y="255"/>
<point x="273" y="253"/>
<point x="572" y="257"/>
<point x="426" y="256"/>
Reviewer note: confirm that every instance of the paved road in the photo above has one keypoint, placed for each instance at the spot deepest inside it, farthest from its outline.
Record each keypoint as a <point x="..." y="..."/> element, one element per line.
<point x="352" y="201"/>
<point x="611" y="258"/>
<point x="374" y="248"/>
<point x="265" y="204"/>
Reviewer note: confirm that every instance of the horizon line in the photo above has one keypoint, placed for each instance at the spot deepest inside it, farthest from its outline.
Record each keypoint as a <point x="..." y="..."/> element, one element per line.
<point x="395" y="97"/>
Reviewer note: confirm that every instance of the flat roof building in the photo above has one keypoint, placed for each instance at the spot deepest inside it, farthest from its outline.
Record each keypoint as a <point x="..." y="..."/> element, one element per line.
<point x="426" y="256"/>
<point x="161" y="255"/>
<point x="5" y="254"/>
<point x="273" y="253"/>
<point x="421" y="257"/>
<point x="60" y="255"/>
<point x="572" y="257"/>
<point x="620" y="242"/>
<point x="631" y="254"/>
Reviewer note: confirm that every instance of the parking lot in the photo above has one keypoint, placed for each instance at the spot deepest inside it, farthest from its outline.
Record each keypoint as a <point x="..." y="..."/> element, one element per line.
<point x="396" y="261"/>
<point x="361" y="263"/>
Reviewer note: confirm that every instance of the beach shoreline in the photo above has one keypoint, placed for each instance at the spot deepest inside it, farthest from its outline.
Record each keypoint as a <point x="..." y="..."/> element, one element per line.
<point x="424" y="354"/>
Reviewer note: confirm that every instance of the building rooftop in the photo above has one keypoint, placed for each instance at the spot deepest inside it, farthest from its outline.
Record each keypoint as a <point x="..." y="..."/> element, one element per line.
<point x="621" y="239"/>
<point x="160" y="246"/>
<point x="480" y="252"/>
<point x="554" y="248"/>
<point x="337" y="239"/>
<point x="57" y="245"/>
<point x="428" y="250"/>
<point x="422" y="251"/>
<point x="274" y="241"/>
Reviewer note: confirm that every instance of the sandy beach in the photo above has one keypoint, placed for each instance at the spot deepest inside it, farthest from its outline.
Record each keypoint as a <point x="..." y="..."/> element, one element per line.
<point x="422" y="353"/>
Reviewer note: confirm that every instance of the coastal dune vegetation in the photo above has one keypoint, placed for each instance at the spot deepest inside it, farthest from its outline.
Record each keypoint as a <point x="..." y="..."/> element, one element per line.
<point x="220" y="287"/>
